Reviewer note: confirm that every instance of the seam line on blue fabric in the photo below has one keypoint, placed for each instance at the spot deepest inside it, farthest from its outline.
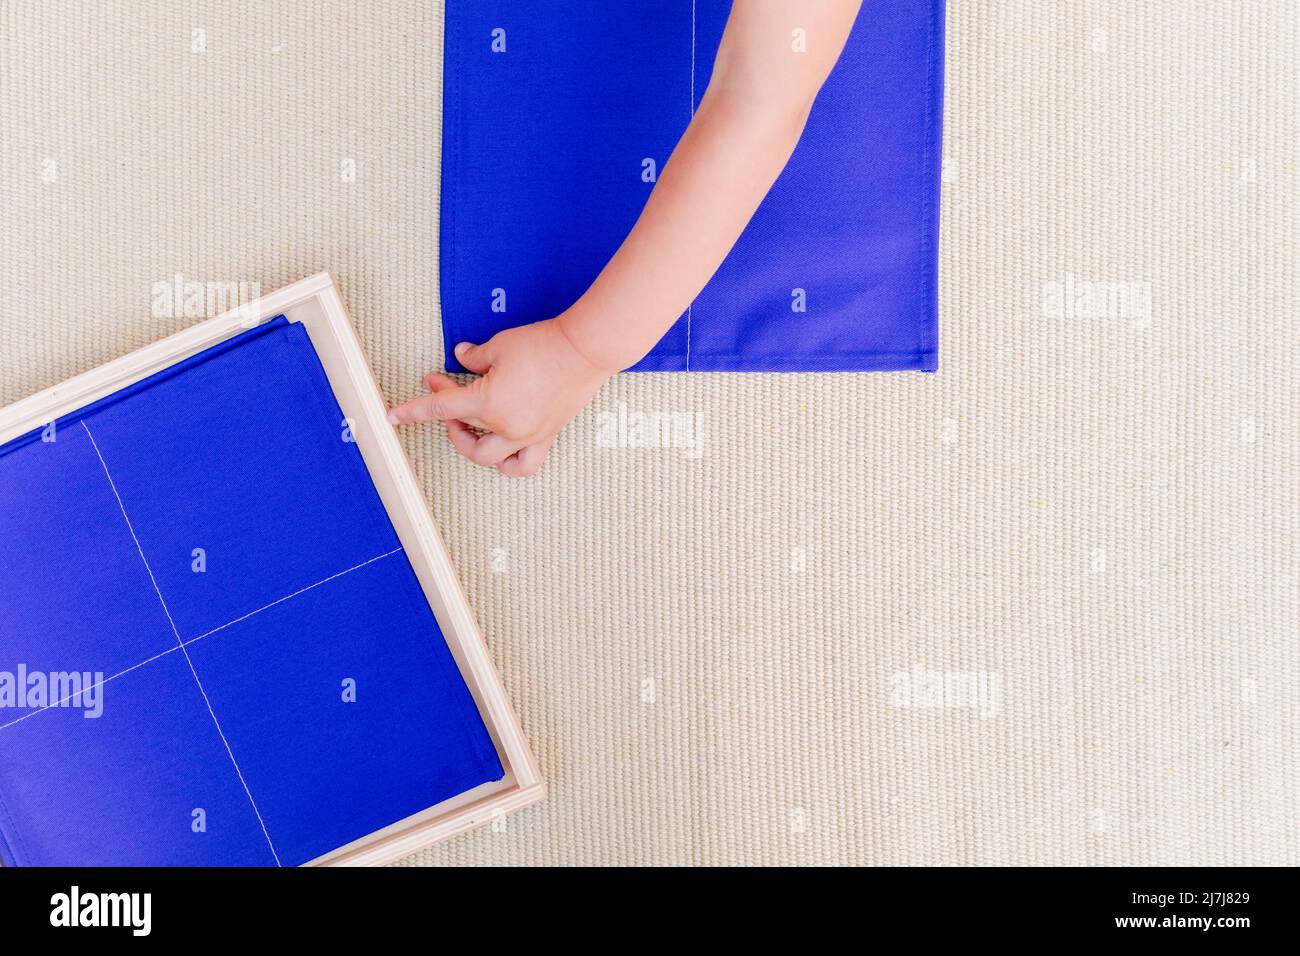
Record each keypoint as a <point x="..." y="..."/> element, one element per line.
<point x="691" y="305"/>
<point x="86" y="690"/>
<point x="194" y="640"/>
<point x="293" y="595"/>
<point x="928" y="229"/>
<point x="181" y="644"/>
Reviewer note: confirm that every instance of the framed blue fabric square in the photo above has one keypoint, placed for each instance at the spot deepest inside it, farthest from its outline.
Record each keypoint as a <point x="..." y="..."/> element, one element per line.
<point x="213" y="648"/>
<point x="556" y="115"/>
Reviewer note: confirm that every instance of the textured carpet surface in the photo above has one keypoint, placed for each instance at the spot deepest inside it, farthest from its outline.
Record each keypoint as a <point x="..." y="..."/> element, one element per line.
<point x="1040" y="607"/>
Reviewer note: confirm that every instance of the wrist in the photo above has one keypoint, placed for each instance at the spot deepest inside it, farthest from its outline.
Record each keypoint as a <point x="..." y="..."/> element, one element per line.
<point x="576" y="332"/>
<point x="572" y="338"/>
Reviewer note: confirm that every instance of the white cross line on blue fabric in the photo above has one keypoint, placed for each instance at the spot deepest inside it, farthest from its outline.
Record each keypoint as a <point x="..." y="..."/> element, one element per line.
<point x="355" y="567"/>
<point x="690" y="305"/>
<point x="193" y="640"/>
<point x="181" y="644"/>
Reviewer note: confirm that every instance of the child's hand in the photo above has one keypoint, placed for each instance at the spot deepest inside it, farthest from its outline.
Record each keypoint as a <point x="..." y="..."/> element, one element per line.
<point x="536" y="378"/>
<point x="534" y="381"/>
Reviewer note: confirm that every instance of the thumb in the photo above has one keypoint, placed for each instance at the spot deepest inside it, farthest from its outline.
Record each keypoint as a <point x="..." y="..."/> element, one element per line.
<point x="474" y="357"/>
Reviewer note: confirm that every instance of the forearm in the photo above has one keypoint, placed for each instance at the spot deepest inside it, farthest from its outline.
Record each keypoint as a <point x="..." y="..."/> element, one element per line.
<point x="722" y="168"/>
<point x="740" y="139"/>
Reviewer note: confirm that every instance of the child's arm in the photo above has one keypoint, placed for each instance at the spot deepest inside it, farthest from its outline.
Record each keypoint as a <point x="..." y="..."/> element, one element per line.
<point x="773" y="59"/>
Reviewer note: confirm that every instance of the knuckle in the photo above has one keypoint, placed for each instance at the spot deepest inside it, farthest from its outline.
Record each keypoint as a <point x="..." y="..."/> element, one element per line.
<point x="516" y="428"/>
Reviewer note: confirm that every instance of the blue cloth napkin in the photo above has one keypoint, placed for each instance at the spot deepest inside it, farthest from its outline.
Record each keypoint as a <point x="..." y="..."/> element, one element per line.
<point x="209" y="544"/>
<point x="557" y="115"/>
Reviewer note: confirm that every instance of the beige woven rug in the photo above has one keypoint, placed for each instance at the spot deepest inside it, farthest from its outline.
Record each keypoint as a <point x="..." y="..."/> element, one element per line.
<point x="1042" y="607"/>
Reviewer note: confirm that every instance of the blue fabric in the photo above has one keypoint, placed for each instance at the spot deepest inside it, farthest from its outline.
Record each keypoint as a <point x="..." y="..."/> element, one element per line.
<point x="542" y="153"/>
<point x="239" y="451"/>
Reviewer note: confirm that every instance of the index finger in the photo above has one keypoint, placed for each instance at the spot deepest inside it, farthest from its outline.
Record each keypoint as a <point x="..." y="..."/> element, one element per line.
<point x="457" y="402"/>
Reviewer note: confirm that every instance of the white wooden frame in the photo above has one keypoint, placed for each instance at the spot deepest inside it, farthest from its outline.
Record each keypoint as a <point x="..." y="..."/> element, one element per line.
<point x="316" y="304"/>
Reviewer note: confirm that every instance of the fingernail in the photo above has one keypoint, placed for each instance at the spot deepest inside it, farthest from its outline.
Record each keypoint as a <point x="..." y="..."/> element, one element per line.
<point x="392" y="418"/>
<point x="460" y="349"/>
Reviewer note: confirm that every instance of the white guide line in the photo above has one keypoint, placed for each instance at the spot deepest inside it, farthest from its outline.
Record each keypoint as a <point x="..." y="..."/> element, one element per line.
<point x="355" y="567"/>
<point x="181" y="645"/>
<point x="193" y="640"/>
<point x="690" y="305"/>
